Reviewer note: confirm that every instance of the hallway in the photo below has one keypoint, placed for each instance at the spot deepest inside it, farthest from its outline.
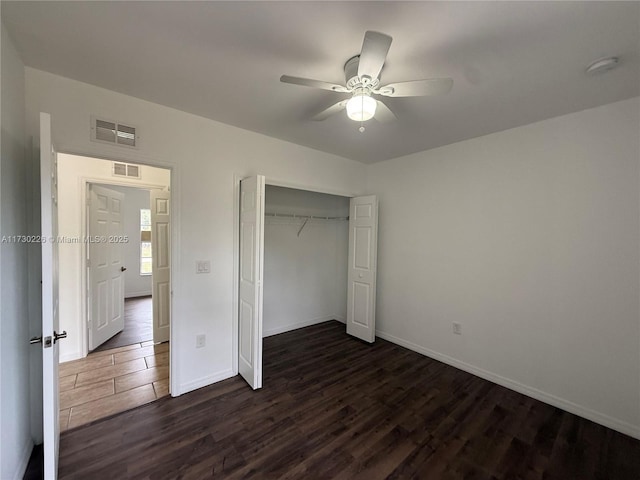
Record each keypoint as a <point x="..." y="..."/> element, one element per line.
<point x="112" y="381"/>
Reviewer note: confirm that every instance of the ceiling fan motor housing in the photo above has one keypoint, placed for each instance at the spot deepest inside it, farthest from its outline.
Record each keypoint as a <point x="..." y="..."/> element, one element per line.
<point x="351" y="75"/>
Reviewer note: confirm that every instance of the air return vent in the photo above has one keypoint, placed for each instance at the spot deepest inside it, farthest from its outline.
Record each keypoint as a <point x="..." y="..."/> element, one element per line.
<point x="107" y="131"/>
<point x="126" y="170"/>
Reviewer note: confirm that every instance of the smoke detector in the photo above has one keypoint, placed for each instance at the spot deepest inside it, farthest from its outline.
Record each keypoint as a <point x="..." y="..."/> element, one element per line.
<point x="602" y="65"/>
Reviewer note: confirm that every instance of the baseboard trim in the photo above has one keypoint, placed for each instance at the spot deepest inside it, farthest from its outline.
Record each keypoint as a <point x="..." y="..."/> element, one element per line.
<point x="205" y="381"/>
<point x="295" y="326"/>
<point x="571" y="407"/>
<point x="340" y="319"/>
<point x="69" y="357"/>
<point x="24" y="460"/>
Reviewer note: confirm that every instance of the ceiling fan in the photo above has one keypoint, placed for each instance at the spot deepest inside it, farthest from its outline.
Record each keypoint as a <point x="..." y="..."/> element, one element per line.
<point x="362" y="76"/>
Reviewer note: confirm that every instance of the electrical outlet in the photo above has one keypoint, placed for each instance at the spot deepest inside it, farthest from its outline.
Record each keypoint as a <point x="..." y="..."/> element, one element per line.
<point x="200" y="341"/>
<point x="457" y="328"/>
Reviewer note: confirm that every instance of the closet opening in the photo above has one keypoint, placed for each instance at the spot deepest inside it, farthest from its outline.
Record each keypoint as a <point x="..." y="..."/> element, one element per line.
<point x="306" y="246"/>
<point x="304" y="258"/>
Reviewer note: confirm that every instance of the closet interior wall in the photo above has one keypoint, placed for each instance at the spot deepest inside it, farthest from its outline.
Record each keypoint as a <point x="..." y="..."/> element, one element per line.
<point x="305" y="268"/>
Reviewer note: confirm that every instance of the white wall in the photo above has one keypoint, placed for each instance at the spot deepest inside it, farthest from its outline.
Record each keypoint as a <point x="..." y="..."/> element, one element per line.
<point x="305" y="277"/>
<point x="135" y="285"/>
<point x="15" y="442"/>
<point x="530" y="239"/>
<point x="205" y="156"/>
<point x="74" y="172"/>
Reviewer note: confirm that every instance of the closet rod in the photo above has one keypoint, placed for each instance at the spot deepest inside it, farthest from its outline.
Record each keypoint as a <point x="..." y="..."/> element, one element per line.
<point x="308" y="217"/>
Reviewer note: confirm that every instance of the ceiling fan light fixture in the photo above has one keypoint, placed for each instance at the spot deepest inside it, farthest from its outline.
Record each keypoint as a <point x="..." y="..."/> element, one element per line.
<point x="361" y="107"/>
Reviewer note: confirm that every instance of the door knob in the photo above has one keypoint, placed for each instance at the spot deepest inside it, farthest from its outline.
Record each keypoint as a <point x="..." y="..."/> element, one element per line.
<point x="122" y="269"/>
<point x="57" y="336"/>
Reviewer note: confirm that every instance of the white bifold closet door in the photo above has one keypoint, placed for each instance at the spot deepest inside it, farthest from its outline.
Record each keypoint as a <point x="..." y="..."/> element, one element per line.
<point x="251" y="276"/>
<point x="361" y="277"/>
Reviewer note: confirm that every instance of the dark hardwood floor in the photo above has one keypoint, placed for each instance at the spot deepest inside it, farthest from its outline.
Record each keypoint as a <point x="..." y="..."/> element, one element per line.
<point x="334" y="407"/>
<point x="138" y="324"/>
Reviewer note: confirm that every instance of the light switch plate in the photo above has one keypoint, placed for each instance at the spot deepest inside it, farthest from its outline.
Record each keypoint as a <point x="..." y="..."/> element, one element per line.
<point x="203" y="266"/>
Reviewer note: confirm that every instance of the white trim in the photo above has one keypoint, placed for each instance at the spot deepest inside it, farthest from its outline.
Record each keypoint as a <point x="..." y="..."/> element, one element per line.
<point x="69" y="357"/>
<point x="174" y="357"/>
<point x="205" y="381"/>
<point x="340" y="318"/>
<point x="571" y="407"/>
<point x="24" y="460"/>
<point x="294" y="326"/>
<point x="236" y="278"/>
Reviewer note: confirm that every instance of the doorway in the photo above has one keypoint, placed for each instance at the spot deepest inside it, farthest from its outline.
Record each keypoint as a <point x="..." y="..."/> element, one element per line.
<point x="306" y="241"/>
<point x="121" y="357"/>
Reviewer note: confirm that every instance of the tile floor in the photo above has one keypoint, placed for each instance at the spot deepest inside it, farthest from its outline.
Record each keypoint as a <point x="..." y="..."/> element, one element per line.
<point x="112" y="381"/>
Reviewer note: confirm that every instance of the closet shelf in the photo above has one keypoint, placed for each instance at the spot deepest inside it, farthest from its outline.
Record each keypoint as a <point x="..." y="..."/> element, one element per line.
<point x="304" y="217"/>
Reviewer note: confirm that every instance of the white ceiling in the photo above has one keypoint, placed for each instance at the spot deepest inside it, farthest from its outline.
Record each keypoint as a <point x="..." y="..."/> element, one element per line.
<point x="512" y="63"/>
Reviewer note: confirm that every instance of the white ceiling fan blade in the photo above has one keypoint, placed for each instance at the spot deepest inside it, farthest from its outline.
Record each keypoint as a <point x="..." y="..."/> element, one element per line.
<point x="333" y="109"/>
<point x="384" y="113"/>
<point x="373" y="54"/>
<point x="417" y="88"/>
<point x="307" y="82"/>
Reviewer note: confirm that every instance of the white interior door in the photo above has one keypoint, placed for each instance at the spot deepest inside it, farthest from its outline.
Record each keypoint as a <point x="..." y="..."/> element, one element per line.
<point x="363" y="252"/>
<point x="50" y="319"/>
<point x="251" y="270"/>
<point x="106" y="264"/>
<point x="161" y="264"/>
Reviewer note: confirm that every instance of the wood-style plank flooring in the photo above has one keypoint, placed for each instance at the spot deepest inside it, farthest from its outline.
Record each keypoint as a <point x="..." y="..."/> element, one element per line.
<point x="138" y="324"/>
<point x="112" y="381"/>
<point x="334" y="407"/>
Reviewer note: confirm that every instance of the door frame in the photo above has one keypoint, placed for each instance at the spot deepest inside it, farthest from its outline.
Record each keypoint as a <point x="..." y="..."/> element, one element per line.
<point x="274" y="182"/>
<point x="174" y="183"/>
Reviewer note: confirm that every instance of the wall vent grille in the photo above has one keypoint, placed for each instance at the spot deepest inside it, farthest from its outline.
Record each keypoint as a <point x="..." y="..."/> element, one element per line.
<point x="115" y="133"/>
<point x="126" y="170"/>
